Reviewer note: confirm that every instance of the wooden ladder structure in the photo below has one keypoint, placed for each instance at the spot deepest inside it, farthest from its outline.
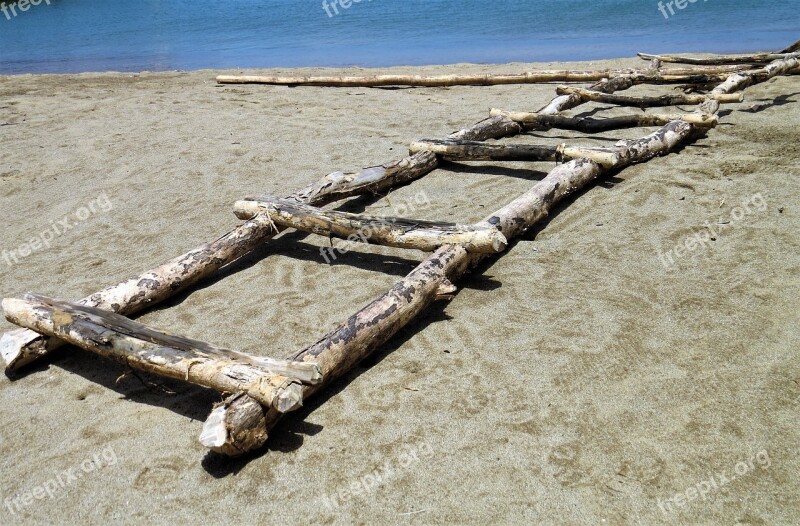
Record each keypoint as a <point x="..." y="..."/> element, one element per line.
<point x="260" y="390"/>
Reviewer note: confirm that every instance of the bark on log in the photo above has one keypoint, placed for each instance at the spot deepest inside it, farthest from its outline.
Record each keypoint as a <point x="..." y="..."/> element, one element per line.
<point x="717" y="60"/>
<point x="531" y="77"/>
<point x="646" y="102"/>
<point x="235" y="426"/>
<point x="389" y="231"/>
<point x="478" y="151"/>
<point x="106" y="334"/>
<point x="589" y="125"/>
<point x="21" y="347"/>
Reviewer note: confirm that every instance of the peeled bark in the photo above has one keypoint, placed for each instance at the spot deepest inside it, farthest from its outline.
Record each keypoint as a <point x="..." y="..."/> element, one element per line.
<point x="646" y="102"/>
<point x="388" y="231"/>
<point x="589" y="125"/>
<point x="134" y="345"/>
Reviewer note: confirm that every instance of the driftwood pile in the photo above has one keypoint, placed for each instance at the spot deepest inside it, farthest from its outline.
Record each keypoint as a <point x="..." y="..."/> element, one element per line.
<point x="261" y="390"/>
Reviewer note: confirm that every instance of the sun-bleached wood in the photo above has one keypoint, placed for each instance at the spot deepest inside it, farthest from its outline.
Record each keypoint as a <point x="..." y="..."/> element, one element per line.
<point x="478" y="151"/>
<point x="530" y="77"/>
<point x="590" y="125"/>
<point x="140" y="347"/>
<point x="388" y="231"/>
<point x="647" y="102"/>
<point x="717" y="60"/>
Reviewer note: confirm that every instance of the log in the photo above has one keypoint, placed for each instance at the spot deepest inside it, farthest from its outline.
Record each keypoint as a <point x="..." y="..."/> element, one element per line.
<point x="717" y="60"/>
<point x="388" y="231"/>
<point x="742" y="80"/>
<point x="106" y="334"/>
<point x="21" y="347"/>
<point x="235" y="426"/>
<point x="647" y="102"/>
<point x="371" y="81"/>
<point x="530" y="77"/>
<point x="589" y="125"/>
<point x="477" y="151"/>
<point x="793" y="48"/>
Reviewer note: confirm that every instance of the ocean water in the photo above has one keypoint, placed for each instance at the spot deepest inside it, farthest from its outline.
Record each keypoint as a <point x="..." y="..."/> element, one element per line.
<point x="136" y="35"/>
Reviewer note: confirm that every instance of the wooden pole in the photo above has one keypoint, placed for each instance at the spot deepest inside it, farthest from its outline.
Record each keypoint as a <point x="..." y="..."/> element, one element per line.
<point x="717" y="60"/>
<point x="646" y="102"/>
<point x="589" y="125"/>
<point x="531" y="77"/>
<point x="127" y="342"/>
<point x="389" y="231"/>
<point x="477" y="151"/>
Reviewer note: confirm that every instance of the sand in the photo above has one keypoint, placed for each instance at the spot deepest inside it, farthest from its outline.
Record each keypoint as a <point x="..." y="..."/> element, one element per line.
<point x="577" y="379"/>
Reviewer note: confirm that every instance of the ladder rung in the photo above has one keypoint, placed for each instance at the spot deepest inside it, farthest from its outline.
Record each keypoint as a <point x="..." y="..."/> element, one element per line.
<point x="388" y="231"/>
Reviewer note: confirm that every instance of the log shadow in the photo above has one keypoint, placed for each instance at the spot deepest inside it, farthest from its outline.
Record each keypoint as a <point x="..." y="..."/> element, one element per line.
<point x="185" y="399"/>
<point x="780" y="100"/>
<point x="527" y="174"/>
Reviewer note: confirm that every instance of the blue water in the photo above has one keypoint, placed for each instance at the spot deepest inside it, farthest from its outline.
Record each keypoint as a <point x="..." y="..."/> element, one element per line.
<point x="133" y="35"/>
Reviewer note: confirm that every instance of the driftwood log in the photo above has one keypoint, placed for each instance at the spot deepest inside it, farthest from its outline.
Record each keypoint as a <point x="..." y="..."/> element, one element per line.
<point x="530" y="77"/>
<point x="362" y="333"/>
<point x="647" y="102"/>
<point x="590" y="125"/>
<point x="116" y="337"/>
<point x="388" y="231"/>
<point x="717" y="60"/>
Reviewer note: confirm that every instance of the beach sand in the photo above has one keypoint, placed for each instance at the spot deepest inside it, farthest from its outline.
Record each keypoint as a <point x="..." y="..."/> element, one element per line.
<point x="577" y="379"/>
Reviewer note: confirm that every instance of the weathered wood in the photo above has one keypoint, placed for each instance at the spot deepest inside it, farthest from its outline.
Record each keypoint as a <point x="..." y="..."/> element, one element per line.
<point x="389" y="231"/>
<point x="590" y="125"/>
<point x="477" y="151"/>
<point x="717" y="60"/>
<point x="112" y="336"/>
<point x="21" y="347"/>
<point x="530" y="77"/>
<point x="647" y="102"/>
<point x="369" y="81"/>
<point x="235" y="426"/>
<point x="742" y="80"/>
